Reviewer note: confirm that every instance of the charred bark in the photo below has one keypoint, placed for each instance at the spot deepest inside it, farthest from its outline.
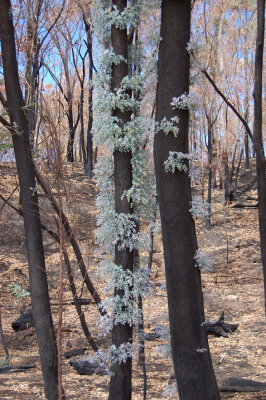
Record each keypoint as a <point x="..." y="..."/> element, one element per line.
<point x="35" y="253"/>
<point x="210" y="171"/>
<point x="257" y="136"/>
<point x="88" y="165"/>
<point x="190" y="350"/>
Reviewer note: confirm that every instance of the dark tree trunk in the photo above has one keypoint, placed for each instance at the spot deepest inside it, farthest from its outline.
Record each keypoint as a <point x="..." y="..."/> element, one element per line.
<point x="82" y="150"/>
<point x="231" y="172"/>
<point x="226" y="177"/>
<point x="32" y="67"/>
<point x="214" y="183"/>
<point x="88" y="166"/>
<point x="190" y="350"/>
<point x="257" y="137"/>
<point x="210" y="172"/>
<point x="120" y="383"/>
<point x="87" y="151"/>
<point x="238" y="169"/>
<point x="38" y="280"/>
<point x="72" y="130"/>
<point x="246" y="151"/>
<point x="89" y="156"/>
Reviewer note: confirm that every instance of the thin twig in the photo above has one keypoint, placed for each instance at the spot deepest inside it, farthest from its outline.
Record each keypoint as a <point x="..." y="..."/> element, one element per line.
<point x="9" y="197"/>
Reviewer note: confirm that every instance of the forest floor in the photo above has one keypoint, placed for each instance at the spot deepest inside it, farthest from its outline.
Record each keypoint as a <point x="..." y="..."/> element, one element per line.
<point x="235" y="287"/>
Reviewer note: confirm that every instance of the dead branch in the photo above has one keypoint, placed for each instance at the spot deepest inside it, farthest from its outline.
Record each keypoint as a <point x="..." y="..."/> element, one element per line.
<point x="74" y="244"/>
<point x="219" y="327"/>
<point x="242" y="385"/>
<point x="20" y="368"/>
<point x="230" y="105"/>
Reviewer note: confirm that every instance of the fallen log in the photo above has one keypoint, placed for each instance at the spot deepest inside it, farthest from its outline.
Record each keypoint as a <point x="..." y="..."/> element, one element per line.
<point x="24" y="321"/>
<point x="11" y="369"/>
<point x="74" y="352"/>
<point x="85" y="367"/>
<point x="235" y="384"/>
<point x="219" y="327"/>
<point x="240" y="205"/>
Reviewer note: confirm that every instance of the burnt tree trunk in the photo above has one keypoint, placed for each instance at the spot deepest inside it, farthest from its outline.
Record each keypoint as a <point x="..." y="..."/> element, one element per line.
<point x="72" y="128"/>
<point x="35" y="253"/>
<point x="120" y="383"/>
<point x="88" y="165"/>
<point x="257" y="136"/>
<point x="238" y="169"/>
<point x="210" y="171"/>
<point x="226" y="177"/>
<point x="231" y="193"/>
<point x="32" y="66"/>
<point x="246" y="151"/>
<point x="190" y="350"/>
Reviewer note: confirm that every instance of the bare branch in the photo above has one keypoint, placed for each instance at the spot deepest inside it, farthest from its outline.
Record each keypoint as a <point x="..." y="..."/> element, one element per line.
<point x="228" y="103"/>
<point x="55" y="79"/>
<point x="51" y="27"/>
<point x="9" y="197"/>
<point x="6" y="124"/>
<point x="75" y="246"/>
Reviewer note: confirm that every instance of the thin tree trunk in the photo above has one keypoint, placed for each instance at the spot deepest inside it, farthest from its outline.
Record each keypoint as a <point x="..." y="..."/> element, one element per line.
<point x="210" y="157"/>
<point x="190" y="350"/>
<point x="141" y="333"/>
<point x="247" y="90"/>
<point x="238" y="169"/>
<point x="3" y="341"/>
<point x="72" y="130"/>
<point x="32" y="66"/>
<point x="232" y="170"/>
<point x="88" y="165"/>
<point x="214" y="183"/>
<point x="38" y="280"/>
<point x="226" y="177"/>
<point x="246" y="151"/>
<point x="120" y="383"/>
<point x="82" y="150"/>
<point x="257" y="137"/>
